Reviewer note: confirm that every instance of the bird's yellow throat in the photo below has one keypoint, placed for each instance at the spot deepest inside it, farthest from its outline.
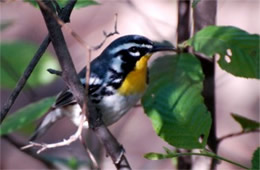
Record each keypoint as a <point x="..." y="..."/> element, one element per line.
<point x="135" y="81"/>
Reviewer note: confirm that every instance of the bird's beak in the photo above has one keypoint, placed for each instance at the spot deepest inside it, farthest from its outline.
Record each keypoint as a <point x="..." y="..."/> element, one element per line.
<point x="162" y="47"/>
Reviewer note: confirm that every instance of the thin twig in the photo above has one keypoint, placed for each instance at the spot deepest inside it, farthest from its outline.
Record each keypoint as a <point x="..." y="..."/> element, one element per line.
<point x="90" y="155"/>
<point x="65" y="15"/>
<point x="65" y="142"/>
<point x="56" y="72"/>
<point x="107" y="35"/>
<point x="63" y="24"/>
<point x="88" y="71"/>
<point x="236" y="134"/>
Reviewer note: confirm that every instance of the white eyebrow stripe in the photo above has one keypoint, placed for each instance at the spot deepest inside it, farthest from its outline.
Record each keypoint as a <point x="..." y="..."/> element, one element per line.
<point x="129" y="45"/>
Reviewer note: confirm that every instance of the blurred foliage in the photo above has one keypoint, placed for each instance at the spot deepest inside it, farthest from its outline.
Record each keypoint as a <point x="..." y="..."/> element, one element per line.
<point x="246" y="124"/>
<point x="62" y="3"/>
<point x="66" y="163"/>
<point x="15" y="57"/>
<point x="256" y="159"/>
<point x="174" y="103"/>
<point x="194" y="3"/>
<point x="85" y="3"/>
<point x="25" y="116"/>
<point x="239" y="51"/>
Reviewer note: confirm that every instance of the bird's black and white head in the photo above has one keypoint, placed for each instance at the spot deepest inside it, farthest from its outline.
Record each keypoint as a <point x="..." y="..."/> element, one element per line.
<point x="125" y="51"/>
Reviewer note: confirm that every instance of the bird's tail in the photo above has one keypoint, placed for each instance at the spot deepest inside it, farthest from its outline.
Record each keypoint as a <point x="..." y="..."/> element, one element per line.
<point x="51" y="117"/>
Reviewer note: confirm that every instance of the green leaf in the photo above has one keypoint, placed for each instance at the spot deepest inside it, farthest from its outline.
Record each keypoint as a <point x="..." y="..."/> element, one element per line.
<point x="256" y="159"/>
<point x="238" y="50"/>
<point x="62" y="3"/>
<point x="32" y="2"/>
<point x="26" y="116"/>
<point x="246" y="124"/>
<point x="174" y="103"/>
<point x="28" y="129"/>
<point x="15" y="57"/>
<point x="85" y="3"/>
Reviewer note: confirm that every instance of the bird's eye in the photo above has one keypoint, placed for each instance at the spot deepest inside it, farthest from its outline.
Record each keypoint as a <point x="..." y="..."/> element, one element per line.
<point x="133" y="49"/>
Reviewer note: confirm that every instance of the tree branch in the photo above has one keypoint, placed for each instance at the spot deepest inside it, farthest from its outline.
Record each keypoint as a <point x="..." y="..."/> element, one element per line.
<point x="69" y="73"/>
<point x="114" y="149"/>
<point x="65" y="15"/>
<point x="236" y="134"/>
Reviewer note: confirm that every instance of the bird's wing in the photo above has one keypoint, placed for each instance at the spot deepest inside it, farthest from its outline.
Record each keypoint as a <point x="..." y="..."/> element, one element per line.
<point x="64" y="98"/>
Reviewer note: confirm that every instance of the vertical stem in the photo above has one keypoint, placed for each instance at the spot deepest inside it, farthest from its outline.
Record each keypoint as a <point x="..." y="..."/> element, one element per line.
<point x="183" y="31"/>
<point x="183" y="28"/>
<point x="204" y="14"/>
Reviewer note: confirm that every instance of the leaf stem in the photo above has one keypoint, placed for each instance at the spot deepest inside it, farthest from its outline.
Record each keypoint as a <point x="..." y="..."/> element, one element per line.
<point x="212" y="155"/>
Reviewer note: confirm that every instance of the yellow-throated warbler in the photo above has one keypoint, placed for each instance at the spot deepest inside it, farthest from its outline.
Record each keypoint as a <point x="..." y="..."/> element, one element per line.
<point x="118" y="79"/>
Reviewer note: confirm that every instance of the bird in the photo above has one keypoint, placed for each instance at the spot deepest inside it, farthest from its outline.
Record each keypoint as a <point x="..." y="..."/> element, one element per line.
<point x="118" y="79"/>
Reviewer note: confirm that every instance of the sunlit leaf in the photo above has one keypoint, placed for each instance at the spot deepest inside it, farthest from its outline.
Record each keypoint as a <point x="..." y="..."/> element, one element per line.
<point x="246" y="124"/>
<point x="25" y="116"/>
<point x="174" y="103"/>
<point x="85" y="3"/>
<point x="239" y="51"/>
<point x="15" y="57"/>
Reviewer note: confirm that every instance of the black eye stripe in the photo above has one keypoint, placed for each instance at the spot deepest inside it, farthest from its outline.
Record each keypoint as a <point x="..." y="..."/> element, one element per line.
<point x="133" y="49"/>
<point x="142" y="50"/>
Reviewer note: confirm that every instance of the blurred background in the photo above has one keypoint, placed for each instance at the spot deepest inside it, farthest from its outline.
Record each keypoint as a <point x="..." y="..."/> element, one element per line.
<point x="156" y="19"/>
